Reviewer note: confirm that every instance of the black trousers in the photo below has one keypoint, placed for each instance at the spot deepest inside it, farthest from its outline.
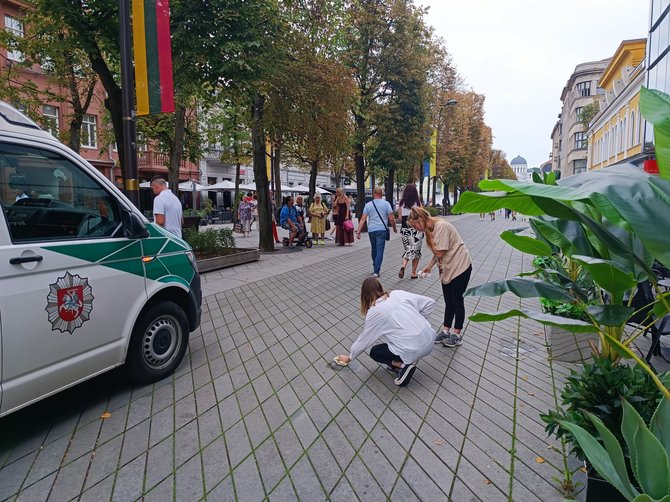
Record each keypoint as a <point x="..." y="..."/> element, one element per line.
<point x="383" y="355"/>
<point x="454" y="306"/>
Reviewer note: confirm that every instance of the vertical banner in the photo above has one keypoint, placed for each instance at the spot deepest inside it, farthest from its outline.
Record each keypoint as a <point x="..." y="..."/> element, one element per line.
<point x="433" y="153"/>
<point x="426" y="168"/>
<point x="152" y="48"/>
<point x="269" y="156"/>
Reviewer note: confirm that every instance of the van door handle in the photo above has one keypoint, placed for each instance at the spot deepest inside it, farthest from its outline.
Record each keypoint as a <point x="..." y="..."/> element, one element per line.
<point x="18" y="260"/>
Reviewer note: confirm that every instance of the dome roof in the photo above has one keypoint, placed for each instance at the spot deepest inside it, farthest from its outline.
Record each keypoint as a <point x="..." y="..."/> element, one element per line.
<point x="518" y="160"/>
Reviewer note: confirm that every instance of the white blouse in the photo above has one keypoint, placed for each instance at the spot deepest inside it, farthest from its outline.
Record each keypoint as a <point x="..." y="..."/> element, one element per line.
<point x="401" y="320"/>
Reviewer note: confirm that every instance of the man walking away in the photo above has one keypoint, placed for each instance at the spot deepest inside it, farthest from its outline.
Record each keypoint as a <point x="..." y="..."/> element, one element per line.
<point x="377" y="213"/>
<point x="167" y="208"/>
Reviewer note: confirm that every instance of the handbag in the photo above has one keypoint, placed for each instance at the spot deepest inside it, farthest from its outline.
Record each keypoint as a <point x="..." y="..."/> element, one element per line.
<point x="388" y="230"/>
<point x="237" y="228"/>
<point x="348" y="225"/>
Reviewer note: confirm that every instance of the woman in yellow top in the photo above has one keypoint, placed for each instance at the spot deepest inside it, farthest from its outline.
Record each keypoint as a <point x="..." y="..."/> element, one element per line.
<point x="318" y="212"/>
<point x="453" y="262"/>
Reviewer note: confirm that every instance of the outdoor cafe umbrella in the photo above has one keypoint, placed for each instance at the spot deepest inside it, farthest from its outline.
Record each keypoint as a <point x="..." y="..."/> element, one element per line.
<point x="188" y="186"/>
<point x="222" y="185"/>
<point x="303" y="188"/>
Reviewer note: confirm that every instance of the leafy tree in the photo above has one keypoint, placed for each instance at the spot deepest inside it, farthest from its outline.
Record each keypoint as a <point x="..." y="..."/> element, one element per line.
<point x="48" y="48"/>
<point x="588" y="113"/>
<point x="500" y="168"/>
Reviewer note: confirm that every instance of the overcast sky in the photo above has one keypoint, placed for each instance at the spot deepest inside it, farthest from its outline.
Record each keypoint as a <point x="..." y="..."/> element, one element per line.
<point x="520" y="53"/>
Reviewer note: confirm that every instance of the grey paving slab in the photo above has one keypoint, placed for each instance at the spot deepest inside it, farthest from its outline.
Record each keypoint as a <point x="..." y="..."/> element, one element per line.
<point x="255" y="411"/>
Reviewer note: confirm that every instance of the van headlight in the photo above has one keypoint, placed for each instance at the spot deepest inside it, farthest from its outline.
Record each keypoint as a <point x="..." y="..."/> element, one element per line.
<point x="191" y="257"/>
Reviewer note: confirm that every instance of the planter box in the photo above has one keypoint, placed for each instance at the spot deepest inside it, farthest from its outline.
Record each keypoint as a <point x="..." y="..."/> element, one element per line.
<point x="235" y="257"/>
<point x="599" y="490"/>
<point x="570" y="347"/>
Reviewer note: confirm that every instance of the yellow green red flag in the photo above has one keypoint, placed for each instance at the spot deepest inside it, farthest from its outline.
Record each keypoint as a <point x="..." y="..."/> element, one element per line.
<point x="154" y="88"/>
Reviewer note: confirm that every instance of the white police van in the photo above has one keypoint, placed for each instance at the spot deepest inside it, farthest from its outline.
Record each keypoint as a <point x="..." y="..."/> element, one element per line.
<point x="86" y="282"/>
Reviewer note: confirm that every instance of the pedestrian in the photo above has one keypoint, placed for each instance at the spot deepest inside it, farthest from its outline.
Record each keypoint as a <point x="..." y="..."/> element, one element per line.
<point x="401" y="321"/>
<point x="254" y="211"/>
<point x="301" y="209"/>
<point x="377" y="213"/>
<point x="167" y="207"/>
<point x="453" y="261"/>
<point x="343" y="236"/>
<point x="273" y="209"/>
<point x="291" y="221"/>
<point x="411" y="238"/>
<point x="245" y="214"/>
<point x="482" y="216"/>
<point x="318" y="213"/>
<point x="492" y="214"/>
<point x="513" y="215"/>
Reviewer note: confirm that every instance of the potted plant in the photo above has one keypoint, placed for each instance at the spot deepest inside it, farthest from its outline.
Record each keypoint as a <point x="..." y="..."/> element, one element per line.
<point x="599" y="388"/>
<point x="647" y="443"/>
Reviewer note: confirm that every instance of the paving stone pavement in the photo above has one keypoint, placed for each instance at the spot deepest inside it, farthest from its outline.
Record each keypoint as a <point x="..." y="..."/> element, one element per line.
<point x="256" y="412"/>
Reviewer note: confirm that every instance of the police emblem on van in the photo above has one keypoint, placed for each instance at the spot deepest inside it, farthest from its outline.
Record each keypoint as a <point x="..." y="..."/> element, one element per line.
<point x="69" y="302"/>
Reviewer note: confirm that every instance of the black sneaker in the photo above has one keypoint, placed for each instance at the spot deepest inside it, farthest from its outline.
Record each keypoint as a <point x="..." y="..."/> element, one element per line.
<point x="405" y="375"/>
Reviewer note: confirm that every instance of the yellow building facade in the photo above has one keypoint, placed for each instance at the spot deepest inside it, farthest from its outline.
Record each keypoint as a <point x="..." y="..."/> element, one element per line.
<point x="616" y="134"/>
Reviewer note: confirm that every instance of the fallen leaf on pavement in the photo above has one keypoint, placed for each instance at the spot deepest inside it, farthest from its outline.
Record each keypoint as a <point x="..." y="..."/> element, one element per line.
<point x="525" y="377"/>
<point x="531" y="393"/>
<point x="487" y="481"/>
<point x="438" y="442"/>
<point x="105" y="415"/>
<point x="539" y="460"/>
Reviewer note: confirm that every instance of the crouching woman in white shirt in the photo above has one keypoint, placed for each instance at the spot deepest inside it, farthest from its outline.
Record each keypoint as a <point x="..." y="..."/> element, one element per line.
<point x="398" y="318"/>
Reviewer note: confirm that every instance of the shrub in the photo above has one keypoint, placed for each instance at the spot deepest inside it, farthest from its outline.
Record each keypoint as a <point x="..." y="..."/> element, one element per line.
<point x="434" y="211"/>
<point x="209" y="243"/>
<point x="598" y="389"/>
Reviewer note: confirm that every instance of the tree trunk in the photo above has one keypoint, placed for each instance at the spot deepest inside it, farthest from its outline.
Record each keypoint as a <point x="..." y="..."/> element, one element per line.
<point x="314" y="169"/>
<point x="266" y="243"/>
<point x="455" y="194"/>
<point x="434" y="190"/>
<point x="388" y="189"/>
<point x="360" y="180"/>
<point x="446" y="194"/>
<point x="276" y="169"/>
<point x="75" y="133"/>
<point x="177" y="151"/>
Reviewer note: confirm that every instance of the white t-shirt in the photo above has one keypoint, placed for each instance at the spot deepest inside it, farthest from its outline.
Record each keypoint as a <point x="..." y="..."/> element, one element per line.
<point x="167" y="204"/>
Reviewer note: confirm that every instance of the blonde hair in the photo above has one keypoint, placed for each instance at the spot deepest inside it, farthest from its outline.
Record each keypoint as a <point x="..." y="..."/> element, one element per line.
<point x="317" y="196"/>
<point x="298" y="199"/>
<point x="418" y="213"/>
<point x="339" y="192"/>
<point x="371" y="291"/>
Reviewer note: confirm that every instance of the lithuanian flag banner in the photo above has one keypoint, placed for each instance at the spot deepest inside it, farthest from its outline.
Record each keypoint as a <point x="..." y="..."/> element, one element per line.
<point x="153" y="56"/>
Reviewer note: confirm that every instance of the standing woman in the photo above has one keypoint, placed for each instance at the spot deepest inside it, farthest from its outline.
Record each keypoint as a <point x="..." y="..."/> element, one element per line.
<point x="318" y="212"/>
<point x="342" y="236"/>
<point x="411" y="238"/>
<point x="453" y="262"/>
<point x="244" y="211"/>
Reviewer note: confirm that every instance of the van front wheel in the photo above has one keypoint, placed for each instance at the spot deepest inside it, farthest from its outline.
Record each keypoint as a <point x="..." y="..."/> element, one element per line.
<point x="158" y="342"/>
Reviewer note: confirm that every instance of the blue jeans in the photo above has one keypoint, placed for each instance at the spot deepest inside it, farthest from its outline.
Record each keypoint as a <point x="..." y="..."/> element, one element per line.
<point x="377" y="244"/>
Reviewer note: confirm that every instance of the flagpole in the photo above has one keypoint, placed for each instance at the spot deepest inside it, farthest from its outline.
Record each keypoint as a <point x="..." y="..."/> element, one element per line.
<point x="127" y="100"/>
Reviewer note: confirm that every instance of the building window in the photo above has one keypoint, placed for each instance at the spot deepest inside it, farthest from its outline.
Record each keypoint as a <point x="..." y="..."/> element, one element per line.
<point x="578" y="166"/>
<point x="632" y="129"/>
<point x="89" y="137"/>
<point x="51" y="119"/>
<point x="584" y="88"/>
<point x="578" y="110"/>
<point x="15" y="27"/>
<point x="580" y="140"/>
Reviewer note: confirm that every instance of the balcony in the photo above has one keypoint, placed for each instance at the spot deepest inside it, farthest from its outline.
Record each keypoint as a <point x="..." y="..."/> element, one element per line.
<point x="150" y="162"/>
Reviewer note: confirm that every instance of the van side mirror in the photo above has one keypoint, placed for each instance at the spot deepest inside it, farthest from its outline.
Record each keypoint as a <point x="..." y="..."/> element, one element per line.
<point x="133" y="226"/>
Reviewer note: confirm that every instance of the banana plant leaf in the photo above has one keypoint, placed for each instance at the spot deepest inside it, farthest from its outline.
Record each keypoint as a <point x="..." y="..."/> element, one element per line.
<point x="573" y="325"/>
<point x="655" y="108"/>
<point x="610" y="315"/>
<point x="660" y="423"/>
<point x="526" y="244"/>
<point x="521" y="287"/>
<point x="608" y="275"/>
<point x="478" y="202"/>
<point x="660" y="306"/>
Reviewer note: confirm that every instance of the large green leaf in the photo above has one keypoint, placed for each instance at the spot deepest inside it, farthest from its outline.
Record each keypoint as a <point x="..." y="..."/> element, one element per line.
<point x="660" y="423"/>
<point x="615" y="453"/>
<point x="661" y="305"/>
<point x="610" y="315"/>
<point x="648" y="457"/>
<point x="572" y="325"/>
<point x="643" y="497"/>
<point x="526" y="244"/>
<point x="598" y="456"/>
<point x="608" y="275"/>
<point x="655" y="108"/>
<point x="521" y="287"/>
<point x="477" y="202"/>
<point x="546" y="229"/>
